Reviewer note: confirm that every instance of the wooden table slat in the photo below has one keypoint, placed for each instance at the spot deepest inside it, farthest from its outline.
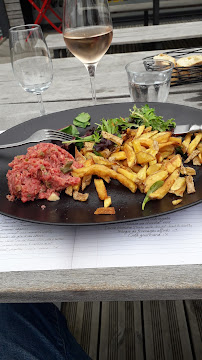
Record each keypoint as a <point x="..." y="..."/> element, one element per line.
<point x="83" y="322"/>
<point x="148" y="330"/>
<point x="141" y="34"/>
<point x="194" y="320"/>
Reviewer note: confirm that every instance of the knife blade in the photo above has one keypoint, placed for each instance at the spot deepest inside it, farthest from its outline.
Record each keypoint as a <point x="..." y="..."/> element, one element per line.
<point x="185" y="129"/>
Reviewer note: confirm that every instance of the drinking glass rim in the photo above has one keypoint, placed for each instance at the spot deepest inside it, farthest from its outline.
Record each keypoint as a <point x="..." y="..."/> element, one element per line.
<point x="24" y="27"/>
<point x="143" y="71"/>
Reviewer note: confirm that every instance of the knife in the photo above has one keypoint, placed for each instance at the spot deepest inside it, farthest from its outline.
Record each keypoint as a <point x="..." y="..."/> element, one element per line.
<point x="185" y="129"/>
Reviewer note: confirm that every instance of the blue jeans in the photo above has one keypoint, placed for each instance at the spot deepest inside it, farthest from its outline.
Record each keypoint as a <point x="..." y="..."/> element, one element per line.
<point x="36" y="332"/>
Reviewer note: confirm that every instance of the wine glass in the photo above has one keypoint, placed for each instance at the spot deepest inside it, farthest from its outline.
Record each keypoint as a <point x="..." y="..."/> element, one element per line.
<point x="87" y="31"/>
<point x="31" y="61"/>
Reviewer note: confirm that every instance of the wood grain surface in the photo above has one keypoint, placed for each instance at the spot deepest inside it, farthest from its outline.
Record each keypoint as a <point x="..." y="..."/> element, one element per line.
<point x="137" y="330"/>
<point x="71" y="88"/>
<point x="107" y="284"/>
<point x="142" y="34"/>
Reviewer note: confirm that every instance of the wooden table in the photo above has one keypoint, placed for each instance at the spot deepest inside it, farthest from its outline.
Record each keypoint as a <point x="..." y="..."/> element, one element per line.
<point x="70" y="89"/>
<point x="141" y="34"/>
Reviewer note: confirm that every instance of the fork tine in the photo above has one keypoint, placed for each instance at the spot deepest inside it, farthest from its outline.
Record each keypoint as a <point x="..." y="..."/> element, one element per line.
<point x="58" y="134"/>
<point x="59" y="138"/>
<point x="63" y="137"/>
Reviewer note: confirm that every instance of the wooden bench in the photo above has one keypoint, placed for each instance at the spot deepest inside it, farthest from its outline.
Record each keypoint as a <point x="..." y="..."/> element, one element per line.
<point x="142" y="34"/>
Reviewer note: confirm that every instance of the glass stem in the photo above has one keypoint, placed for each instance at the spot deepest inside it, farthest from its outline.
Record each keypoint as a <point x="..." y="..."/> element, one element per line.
<point x="41" y="104"/>
<point x="91" y="70"/>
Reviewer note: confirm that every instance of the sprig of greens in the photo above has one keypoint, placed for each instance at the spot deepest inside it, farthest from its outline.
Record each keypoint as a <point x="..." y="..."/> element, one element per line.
<point x="115" y="126"/>
<point x="95" y="137"/>
<point x="82" y="120"/>
<point x="147" y="116"/>
<point x="153" y="188"/>
<point x="71" y="130"/>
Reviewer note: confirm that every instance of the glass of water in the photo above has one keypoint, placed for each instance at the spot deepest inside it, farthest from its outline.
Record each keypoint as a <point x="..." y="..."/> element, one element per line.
<point x="149" y="80"/>
<point x="30" y="59"/>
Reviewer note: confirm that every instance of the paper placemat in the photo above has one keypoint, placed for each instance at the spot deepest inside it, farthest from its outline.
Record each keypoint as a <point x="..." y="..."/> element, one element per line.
<point x="174" y="239"/>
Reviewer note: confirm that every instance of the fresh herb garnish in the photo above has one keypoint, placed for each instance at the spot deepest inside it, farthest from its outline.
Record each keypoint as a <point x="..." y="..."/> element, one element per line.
<point x="114" y="126"/>
<point x="82" y="120"/>
<point x="147" y="116"/>
<point x="71" y="130"/>
<point x="153" y="188"/>
<point x="95" y="137"/>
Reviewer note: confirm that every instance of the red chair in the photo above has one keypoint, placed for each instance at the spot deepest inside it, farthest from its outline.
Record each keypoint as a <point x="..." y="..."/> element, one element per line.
<point x="46" y="5"/>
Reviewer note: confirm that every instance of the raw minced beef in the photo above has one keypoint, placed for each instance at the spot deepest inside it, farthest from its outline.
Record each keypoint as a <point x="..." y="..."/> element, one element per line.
<point x="39" y="173"/>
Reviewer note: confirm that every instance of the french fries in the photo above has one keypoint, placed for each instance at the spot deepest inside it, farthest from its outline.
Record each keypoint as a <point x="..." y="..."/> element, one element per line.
<point x="105" y="211"/>
<point x="176" y="202"/>
<point x="139" y="159"/>
<point x="79" y="196"/>
<point x="163" y="190"/>
<point x="190" y="184"/>
<point x="151" y="179"/>
<point x="101" y="189"/>
<point x="117" y="140"/>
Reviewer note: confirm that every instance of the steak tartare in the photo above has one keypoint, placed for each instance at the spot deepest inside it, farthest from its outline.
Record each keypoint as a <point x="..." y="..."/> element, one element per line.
<point x="45" y="169"/>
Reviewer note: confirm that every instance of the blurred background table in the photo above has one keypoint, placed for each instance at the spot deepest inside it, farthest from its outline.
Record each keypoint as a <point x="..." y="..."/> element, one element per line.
<point x="71" y="88"/>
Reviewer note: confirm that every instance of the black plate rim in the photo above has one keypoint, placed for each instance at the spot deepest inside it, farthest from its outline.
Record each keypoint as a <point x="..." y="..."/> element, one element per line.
<point x="104" y="222"/>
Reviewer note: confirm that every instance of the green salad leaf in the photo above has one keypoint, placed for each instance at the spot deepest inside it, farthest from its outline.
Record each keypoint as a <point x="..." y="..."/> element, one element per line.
<point x="115" y="126"/>
<point x="147" y="116"/>
<point x="153" y="188"/>
<point x="71" y="130"/>
<point x="82" y="120"/>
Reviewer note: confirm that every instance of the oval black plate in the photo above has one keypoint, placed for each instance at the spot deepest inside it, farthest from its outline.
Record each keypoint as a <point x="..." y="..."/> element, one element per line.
<point x="70" y="212"/>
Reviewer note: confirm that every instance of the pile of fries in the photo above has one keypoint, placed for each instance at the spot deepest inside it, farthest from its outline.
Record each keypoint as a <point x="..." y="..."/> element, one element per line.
<point x="139" y="159"/>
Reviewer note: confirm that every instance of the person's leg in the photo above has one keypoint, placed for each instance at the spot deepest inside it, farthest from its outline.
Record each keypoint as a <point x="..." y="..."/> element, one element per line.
<point x="36" y="332"/>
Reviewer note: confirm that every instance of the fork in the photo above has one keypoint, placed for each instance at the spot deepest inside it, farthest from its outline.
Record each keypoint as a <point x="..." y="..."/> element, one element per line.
<point x="41" y="135"/>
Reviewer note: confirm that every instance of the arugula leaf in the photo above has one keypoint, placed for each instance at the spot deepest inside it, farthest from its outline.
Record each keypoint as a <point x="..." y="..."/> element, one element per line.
<point x="108" y="126"/>
<point x="147" y="116"/>
<point x="82" y="120"/>
<point x="153" y="188"/>
<point x="71" y="129"/>
<point x="115" y="126"/>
